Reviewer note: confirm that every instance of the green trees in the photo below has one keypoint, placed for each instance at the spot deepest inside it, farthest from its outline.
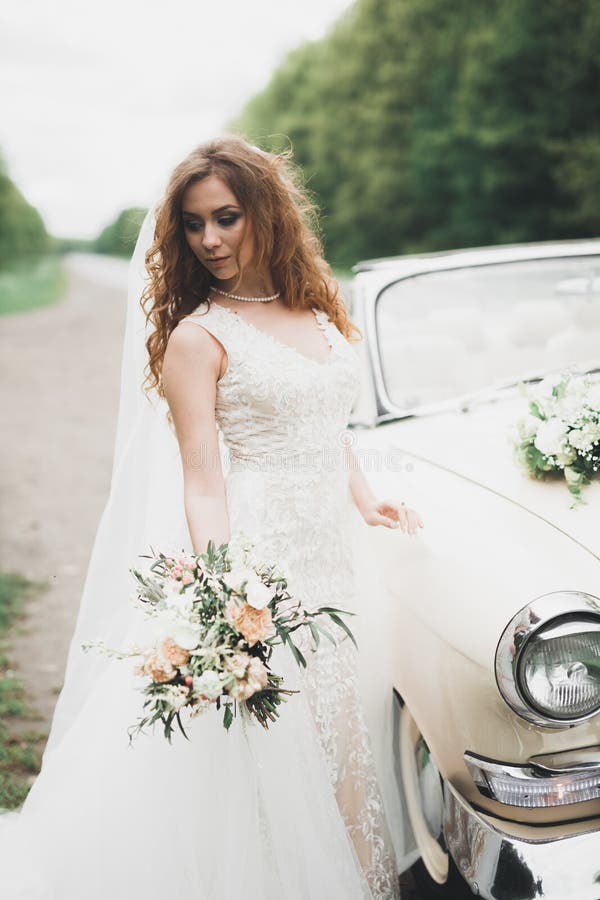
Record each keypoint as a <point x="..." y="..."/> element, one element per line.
<point x="22" y="231"/>
<point x="429" y="124"/>
<point x="120" y="236"/>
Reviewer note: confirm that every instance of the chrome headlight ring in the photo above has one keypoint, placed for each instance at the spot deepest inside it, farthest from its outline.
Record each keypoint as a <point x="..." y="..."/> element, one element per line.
<point x="557" y="609"/>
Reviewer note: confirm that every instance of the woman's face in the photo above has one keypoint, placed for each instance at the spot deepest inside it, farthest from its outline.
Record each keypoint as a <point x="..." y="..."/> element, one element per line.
<point x="214" y="224"/>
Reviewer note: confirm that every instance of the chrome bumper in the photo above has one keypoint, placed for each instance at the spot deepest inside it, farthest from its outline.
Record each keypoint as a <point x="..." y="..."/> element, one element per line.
<point x="498" y="866"/>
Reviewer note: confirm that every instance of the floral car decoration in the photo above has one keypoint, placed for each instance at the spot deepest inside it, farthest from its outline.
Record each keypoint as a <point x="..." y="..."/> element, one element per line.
<point x="561" y="434"/>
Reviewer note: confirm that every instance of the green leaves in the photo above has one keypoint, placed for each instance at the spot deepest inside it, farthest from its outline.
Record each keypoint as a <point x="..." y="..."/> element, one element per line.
<point x="535" y="410"/>
<point x="334" y="614"/>
<point x="477" y="124"/>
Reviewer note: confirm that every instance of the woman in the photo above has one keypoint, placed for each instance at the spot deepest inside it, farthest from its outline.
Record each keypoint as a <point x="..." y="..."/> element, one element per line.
<point x="249" y="345"/>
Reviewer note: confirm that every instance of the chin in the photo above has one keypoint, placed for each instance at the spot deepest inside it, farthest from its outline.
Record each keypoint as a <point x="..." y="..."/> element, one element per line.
<point x="224" y="274"/>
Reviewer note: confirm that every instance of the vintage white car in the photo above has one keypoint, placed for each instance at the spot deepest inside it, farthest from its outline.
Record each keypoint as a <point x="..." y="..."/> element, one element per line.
<point x="497" y="668"/>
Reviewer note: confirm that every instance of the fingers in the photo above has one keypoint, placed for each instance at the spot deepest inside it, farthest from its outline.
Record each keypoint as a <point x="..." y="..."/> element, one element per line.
<point x="400" y="521"/>
<point x="395" y="515"/>
<point x="406" y="518"/>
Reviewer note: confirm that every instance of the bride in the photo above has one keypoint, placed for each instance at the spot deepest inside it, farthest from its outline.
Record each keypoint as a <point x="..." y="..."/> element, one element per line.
<point x="238" y="378"/>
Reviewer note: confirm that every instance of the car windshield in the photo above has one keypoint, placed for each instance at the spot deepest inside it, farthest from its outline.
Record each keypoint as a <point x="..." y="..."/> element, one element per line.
<point x="445" y="334"/>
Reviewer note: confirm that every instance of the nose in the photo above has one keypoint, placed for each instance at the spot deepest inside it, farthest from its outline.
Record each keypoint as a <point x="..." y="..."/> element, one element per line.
<point x="211" y="237"/>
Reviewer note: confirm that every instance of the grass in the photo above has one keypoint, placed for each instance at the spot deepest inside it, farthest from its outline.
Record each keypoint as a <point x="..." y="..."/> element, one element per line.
<point x="20" y="746"/>
<point x="28" y="284"/>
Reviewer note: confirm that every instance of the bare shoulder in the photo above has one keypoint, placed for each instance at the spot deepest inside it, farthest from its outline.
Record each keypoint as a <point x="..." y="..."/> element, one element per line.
<point x="190" y="335"/>
<point x="192" y="347"/>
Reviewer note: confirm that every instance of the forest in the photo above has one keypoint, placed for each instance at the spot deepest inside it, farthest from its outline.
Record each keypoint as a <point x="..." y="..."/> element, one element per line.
<point x="23" y="234"/>
<point x="425" y="124"/>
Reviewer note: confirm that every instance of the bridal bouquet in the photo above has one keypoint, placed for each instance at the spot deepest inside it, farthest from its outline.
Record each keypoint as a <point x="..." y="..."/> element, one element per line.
<point x="561" y="434"/>
<point x="215" y="618"/>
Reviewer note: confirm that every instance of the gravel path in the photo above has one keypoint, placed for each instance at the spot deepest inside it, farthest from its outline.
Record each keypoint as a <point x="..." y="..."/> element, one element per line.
<point x="59" y="389"/>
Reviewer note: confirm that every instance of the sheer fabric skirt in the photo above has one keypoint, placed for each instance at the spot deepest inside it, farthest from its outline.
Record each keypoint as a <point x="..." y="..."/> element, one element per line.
<point x="306" y="810"/>
<point x="246" y="813"/>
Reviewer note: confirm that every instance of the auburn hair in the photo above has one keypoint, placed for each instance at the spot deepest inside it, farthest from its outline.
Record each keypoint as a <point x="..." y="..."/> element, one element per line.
<point x="283" y="216"/>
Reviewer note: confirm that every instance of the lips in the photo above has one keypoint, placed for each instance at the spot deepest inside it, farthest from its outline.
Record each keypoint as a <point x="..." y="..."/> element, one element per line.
<point x="217" y="259"/>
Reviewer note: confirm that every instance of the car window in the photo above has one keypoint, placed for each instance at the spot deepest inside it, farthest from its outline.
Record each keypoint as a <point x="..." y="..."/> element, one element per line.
<point x="443" y="334"/>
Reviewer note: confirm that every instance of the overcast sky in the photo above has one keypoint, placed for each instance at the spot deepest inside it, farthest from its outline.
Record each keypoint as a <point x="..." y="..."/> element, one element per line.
<point x="101" y="100"/>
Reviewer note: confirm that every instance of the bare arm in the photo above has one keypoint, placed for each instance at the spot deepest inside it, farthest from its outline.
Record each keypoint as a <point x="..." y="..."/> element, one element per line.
<point x="191" y="367"/>
<point x="360" y="489"/>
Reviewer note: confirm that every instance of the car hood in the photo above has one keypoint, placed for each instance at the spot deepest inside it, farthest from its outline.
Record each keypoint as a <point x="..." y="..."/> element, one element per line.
<point x="476" y="445"/>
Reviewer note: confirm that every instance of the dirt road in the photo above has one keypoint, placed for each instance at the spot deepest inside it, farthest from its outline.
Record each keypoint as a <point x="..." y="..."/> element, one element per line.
<point x="59" y="390"/>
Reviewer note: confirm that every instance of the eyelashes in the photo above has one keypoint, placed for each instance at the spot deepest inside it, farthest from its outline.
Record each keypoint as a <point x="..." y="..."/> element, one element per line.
<point x="225" y="221"/>
<point x="228" y="220"/>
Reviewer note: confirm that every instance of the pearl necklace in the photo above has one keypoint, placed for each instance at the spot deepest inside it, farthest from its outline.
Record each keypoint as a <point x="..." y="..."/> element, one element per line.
<point x="237" y="296"/>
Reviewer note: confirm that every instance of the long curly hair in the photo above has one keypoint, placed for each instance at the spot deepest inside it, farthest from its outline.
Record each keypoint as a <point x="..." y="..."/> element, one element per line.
<point x="283" y="215"/>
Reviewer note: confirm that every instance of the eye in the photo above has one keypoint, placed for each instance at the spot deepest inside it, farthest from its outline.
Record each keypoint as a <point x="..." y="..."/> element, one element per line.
<point x="192" y="226"/>
<point x="228" y="220"/>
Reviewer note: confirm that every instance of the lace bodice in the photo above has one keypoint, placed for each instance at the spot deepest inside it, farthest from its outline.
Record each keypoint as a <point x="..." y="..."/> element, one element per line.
<point x="275" y="406"/>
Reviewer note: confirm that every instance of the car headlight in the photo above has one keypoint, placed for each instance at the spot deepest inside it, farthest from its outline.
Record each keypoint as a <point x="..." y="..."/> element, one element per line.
<point x="548" y="659"/>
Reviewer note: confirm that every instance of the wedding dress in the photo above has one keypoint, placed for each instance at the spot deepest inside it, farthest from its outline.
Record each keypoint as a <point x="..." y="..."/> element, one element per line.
<point x="307" y="810"/>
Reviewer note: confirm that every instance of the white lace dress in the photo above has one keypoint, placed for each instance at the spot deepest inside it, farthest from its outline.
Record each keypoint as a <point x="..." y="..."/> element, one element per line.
<point x="284" y="420"/>
<point x="292" y="813"/>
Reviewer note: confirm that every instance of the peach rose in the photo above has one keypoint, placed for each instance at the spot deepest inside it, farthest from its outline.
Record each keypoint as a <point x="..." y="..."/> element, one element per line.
<point x="238" y="664"/>
<point x="254" y="624"/>
<point x="257" y="676"/>
<point x="241" y="690"/>
<point x="251" y="675"/>
<point x="173" y="653"/>
<point x="157" y="668"/>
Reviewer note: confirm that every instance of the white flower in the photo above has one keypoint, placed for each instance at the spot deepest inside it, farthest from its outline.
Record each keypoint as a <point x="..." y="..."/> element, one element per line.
<point x="174" y="597"/>
<point x="585" y="437"/>
<point x="258" y="594"/>
<point x="550" y="437"/>
<point x="527" y="427"/>
<point x="209" y="684"/>
<point x="566" y="457"/>
<point x="592" y="398"/>
<point x="237" y="576"/>
<point x="186" y="634"/>
<point x="176" y="695"/>
<point x="569" y="407"/>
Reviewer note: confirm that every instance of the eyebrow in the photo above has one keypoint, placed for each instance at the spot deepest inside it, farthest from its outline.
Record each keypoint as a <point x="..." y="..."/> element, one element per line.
<point x="219" y="210"/>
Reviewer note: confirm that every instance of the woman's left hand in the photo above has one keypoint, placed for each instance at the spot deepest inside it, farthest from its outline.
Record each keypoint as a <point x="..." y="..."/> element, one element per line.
<point x="392" y="515"/>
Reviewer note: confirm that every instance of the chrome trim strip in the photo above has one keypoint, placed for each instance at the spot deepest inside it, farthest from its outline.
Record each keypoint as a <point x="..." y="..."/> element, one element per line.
<point x="462" y="257"/>
<point x="534" y="773"/>
<point x="498" y="866"/>
<point x="530" y="619"/>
